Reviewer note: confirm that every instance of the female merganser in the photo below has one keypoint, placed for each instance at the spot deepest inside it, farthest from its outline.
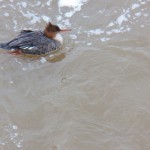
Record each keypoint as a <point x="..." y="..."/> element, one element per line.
<point x="36" y="42"/>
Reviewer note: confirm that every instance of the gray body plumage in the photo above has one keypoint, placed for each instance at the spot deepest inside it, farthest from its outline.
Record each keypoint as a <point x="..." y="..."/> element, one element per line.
<point x="32" y="42"/>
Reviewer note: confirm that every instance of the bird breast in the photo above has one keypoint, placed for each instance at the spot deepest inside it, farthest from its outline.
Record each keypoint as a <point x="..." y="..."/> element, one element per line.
<point x="59" y="38"/>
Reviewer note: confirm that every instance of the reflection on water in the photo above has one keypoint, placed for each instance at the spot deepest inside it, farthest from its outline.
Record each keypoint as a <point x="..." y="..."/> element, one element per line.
<point x="93" y="93"/>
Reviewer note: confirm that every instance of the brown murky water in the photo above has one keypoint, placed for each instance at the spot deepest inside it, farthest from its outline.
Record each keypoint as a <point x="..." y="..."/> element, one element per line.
<point x="94" y="94"/>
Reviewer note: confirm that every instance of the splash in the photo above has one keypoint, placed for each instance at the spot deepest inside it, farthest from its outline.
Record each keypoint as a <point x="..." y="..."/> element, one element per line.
<point x="134" y="6"/>
<point x="43" y="60"/>
<point x="32" y="17"/>
<point x="123" y="21"/>
<point x="48" y="2"/>
<point x="122" y="18"/>
<point x="75" y="6"/>
<point x="72" y="6"/>
<point x="13" y="136"/>
<point x="72" y="3"/>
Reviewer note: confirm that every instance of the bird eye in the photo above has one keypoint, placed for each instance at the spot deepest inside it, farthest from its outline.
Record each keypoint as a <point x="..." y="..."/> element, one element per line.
<point x="57" y="28"/>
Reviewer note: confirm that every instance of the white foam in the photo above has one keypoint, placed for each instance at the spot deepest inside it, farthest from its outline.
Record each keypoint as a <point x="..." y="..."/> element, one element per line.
<point x="116" y="30"/>
<point x="69" y="14"/>
<point x="48" y="2"/>
<point x="138" y="14"/>
<point x="24" y="4"/>
<point x="109" y="32"/>
<point x="2" y="143"/>
<point x="121" y="28"/>
<point x="14" y="135"/>
<point x="134" y="6"/>
<point x="128" y="29"/>
<point x="143" y="3"/>
<point x="104" y="39"/>
<point x="71" y="3"/>
<point x="128" y="15"/>
<point x="101" y="11"/>
<point x="24" y="69"/>
<point x="38" y="3"/>
<point x="110" y="24"/>
<point x="74" y="4"/>
<point x="6" y="14"/>
<point x="96" y="32"/>
<point x="11" y="82"/>
<point x="19" y="144"/>
<point x="14" y="127"/>
<point x="45" y="18"/>
<point x="73" y="36"/>
<point x="89" y="44"/>
<point x="121" y="19"/>
<point x="66" y="22"/>
<point x="59" y="18"/>
<point x="43" y="60"/>
<point x="34" y="19"/>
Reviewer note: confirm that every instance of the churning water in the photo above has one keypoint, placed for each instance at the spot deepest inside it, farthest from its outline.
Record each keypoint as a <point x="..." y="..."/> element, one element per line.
<point x="94" y="94"/>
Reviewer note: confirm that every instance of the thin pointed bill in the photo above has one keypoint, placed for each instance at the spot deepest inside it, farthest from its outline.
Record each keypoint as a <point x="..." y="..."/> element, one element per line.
<point x="64" y="30"/>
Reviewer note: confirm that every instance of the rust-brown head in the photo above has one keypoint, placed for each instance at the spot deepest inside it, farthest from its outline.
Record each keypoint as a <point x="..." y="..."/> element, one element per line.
<point x="51" y="30"/>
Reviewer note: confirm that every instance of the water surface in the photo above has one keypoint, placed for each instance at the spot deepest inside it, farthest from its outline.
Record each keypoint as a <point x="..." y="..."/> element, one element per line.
<point x="91" y="95"/>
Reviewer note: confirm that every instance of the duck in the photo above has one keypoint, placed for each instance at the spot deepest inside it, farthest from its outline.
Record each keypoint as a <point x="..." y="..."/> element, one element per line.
<point x="36" y="42"/>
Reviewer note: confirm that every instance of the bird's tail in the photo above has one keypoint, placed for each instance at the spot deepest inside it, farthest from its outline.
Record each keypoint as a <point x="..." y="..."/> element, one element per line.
<point x="4" y="46"/>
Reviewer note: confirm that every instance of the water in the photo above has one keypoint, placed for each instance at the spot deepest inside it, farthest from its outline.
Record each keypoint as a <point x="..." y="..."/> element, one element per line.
<point x="91" y="95"/>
